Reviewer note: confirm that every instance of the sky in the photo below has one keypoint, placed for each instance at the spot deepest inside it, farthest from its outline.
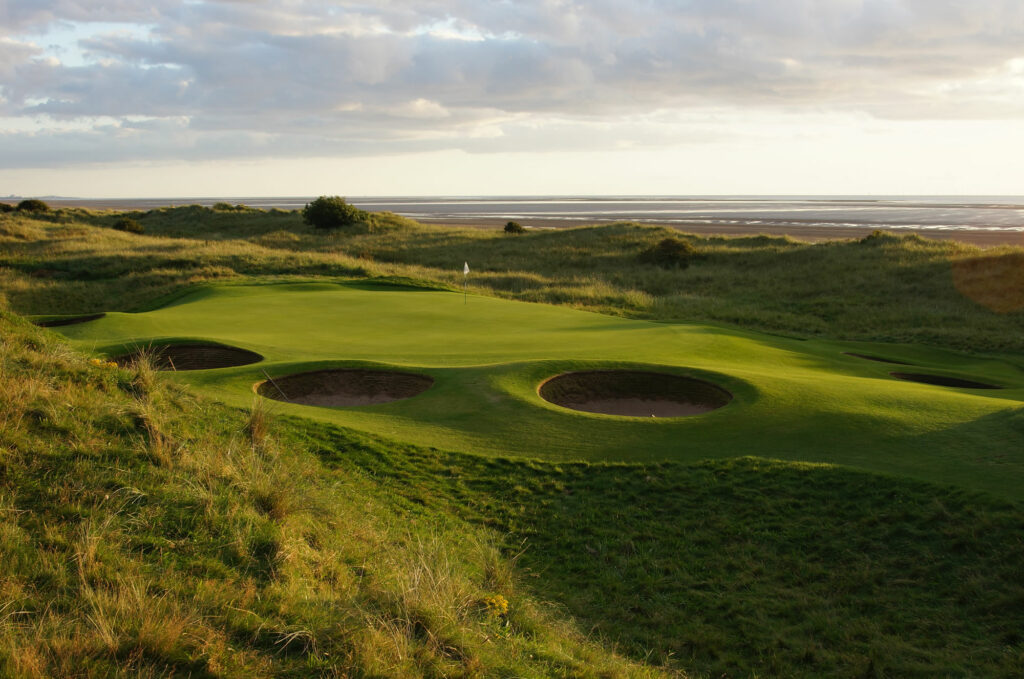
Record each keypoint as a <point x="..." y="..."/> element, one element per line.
<point x="157" y="98"/>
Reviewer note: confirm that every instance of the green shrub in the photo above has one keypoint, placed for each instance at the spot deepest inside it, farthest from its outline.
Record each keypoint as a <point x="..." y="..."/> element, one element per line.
<point x="6" y="207"/>
<point x="514" y="227"/>
<point x="33" y="205"/>
<point x="670" y="253"/>
<point x="223" y="207"/>
<point x="332" y="213"/>
<point x="128" y="224"/>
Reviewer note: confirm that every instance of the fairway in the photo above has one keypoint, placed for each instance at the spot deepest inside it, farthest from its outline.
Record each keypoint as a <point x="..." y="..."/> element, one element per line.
<point x="792" y="399"/>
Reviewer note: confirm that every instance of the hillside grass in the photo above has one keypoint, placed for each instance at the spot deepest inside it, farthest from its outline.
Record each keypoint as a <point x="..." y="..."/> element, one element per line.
<point x="883" y="287"/>
<point x="746" y="567"/>
<point x="145" y="532"/>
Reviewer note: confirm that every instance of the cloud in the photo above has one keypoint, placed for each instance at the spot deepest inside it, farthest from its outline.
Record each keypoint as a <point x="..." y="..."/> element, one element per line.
<point x="363" y="77"/>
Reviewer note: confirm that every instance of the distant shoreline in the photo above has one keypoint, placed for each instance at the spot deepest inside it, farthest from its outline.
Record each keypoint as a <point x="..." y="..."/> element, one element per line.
<point x="809" y="233"/>
<point x="573" y="212"/>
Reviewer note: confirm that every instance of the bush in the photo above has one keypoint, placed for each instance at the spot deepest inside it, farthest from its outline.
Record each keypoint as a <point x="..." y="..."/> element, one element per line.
<point x="332" y="213"/>
<point x="670" y="253"/>
<point x="6" y="207"/>
<point x="128" y="224"/>
<point x="514" y="227"/>
<point x="33" y="205"/>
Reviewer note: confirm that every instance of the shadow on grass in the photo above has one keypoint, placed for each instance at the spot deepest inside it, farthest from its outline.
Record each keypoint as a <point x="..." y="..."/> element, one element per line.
<point x="746" y="566"/>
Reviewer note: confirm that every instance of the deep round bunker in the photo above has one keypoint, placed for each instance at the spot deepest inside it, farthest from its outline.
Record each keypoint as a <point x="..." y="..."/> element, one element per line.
<point x="72" y="320"/>
<point x="633" y="393"/>
<point x="942" y="381"/>
<point x="345" y="387"/>
<point x="194" y="356"/>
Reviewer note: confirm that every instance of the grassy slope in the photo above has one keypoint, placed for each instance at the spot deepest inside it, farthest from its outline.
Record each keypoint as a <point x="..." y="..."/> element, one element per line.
<point x="144" y="532"/>
<point x="745" y="567"/>
<point x="801" y="400"/>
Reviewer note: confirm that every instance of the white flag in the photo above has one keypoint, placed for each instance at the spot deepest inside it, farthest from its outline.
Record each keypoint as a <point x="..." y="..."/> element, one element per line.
<point x="465" y="269"/>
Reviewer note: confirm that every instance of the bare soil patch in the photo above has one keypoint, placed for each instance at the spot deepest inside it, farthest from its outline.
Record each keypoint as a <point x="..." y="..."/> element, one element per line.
<point x="191" y="356"/>
<point x="633" y="393"/>
<point x="344" y="387"/>
<point x="879" y="359"/>
<point x="74" y="320"/>
<point x="942" y="381"/>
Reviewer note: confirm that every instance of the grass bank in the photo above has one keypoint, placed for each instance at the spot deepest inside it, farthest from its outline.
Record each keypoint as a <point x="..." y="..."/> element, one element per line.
<point x="145" y="532"/>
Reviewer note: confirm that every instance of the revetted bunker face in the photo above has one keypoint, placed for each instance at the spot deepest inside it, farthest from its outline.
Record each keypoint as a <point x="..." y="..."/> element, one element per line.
<point x="942" y="381"/>
<point x="633" y="393"/>
<point x="345" y="387"/>
<point x="75" y="320"/>
<point x="194" y="356"/>
<point x="878" y="359"/>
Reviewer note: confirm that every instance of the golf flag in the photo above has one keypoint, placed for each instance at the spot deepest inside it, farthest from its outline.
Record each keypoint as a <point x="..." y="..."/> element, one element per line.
<point x="465" y="269"/>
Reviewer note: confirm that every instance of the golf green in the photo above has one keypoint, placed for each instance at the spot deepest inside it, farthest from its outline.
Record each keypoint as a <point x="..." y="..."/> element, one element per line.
<point x="791" y="399"/>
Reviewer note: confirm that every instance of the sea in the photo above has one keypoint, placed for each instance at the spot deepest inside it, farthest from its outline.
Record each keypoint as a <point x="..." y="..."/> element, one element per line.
<point x="927" y="213"/>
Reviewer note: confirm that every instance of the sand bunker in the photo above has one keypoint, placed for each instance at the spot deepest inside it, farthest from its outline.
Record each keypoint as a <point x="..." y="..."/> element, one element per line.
<point x="58" y="322"/>
<point x="942" y="381"/>
<point x="345" y="388"/>
<point x="879" y="359"/>
<point x="633" y="393"/>
<point x="191" y="357"/>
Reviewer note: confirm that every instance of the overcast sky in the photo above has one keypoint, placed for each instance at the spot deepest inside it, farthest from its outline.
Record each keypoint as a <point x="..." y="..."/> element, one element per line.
<point x="122" y="98"/>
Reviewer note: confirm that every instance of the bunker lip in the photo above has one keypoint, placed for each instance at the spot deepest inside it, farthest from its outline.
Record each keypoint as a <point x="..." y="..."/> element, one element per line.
<point x="345" y="387"/>
<point x="878" y="359"/>
<point x="191" y="356"/>
<point x="633" y="393"/>
<point x="72" y="320"/>
<point x="943" y="381"/>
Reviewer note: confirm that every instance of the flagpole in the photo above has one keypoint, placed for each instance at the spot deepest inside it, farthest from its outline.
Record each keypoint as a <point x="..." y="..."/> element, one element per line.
<point x="465" y="278"/>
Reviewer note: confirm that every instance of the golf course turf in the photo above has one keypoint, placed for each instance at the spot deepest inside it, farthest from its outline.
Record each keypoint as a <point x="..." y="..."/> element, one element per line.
<point x="792" y="399"/>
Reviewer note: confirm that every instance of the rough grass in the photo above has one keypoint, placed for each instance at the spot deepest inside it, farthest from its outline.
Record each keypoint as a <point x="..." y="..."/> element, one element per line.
<point x="884" y="287"/>
<point x="146" y="533"/>
<point x="746" y="567"/>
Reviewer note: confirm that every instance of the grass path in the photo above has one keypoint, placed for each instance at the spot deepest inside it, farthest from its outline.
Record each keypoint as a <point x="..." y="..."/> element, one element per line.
<point x="793" y="399"/>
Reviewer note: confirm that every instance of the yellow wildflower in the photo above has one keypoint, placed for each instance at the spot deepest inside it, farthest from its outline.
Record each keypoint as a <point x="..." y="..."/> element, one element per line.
<point x="496" y="605"/>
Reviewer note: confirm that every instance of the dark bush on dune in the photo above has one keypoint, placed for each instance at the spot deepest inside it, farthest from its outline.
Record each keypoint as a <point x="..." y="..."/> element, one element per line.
<point x="128" y="224"/>
<point x="6" y="207"/>
<point x="33" y="205"/>
<point x="670" y="253"/>
<point x="514" y="227"/>
<point x="332" y="213"/>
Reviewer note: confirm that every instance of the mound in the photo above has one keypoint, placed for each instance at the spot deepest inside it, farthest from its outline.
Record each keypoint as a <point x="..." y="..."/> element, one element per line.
<point x="942" y="381"/>
<point x="74" y="320"/>
<point x="344" y="388"/>
<point x="191" y="356"/>
<point x="633" y="393"/>
<point x="879" y="359"/>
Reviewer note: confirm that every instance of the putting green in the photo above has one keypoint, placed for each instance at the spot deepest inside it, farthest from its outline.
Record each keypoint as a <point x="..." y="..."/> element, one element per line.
<point x="793" y="399"/>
